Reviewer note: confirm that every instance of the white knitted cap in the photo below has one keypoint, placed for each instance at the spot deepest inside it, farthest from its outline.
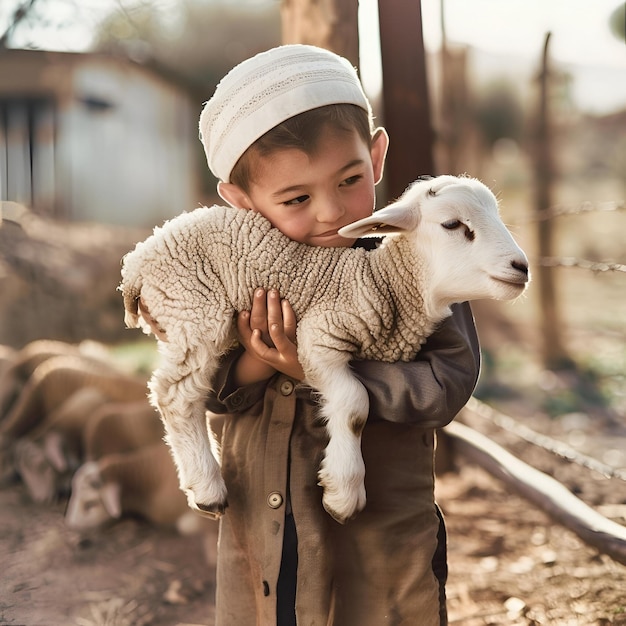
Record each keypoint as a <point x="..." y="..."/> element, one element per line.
<point x="267" y="89"/>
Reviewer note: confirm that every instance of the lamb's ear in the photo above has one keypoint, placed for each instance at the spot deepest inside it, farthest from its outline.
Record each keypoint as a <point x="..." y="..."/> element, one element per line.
<point x="396" y="218"/>
<point x="112" y="499"/>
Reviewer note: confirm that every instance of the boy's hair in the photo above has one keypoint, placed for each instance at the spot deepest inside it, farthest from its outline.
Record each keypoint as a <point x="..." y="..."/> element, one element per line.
<point x="267" y="89"/>
<point x="302" y="132"/>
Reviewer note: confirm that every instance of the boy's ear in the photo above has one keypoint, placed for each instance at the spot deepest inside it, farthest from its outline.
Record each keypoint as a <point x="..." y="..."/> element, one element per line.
<point x="378" y="152"/>
<point x="234" y="195"/>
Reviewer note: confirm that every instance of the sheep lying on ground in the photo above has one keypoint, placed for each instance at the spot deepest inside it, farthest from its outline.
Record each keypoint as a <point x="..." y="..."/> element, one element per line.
<point x="127" y="470"/>
<point x="51" y="384"/>
<point x="24" y="362"/>
<point x="54" y="380"/>
<point x="21" y="366"/>
<point x="444" y="243"/>
<point x="46" y="457"/>
<point x="142" y="482"/>
<point x="85" y="427"/>
<point x="119" y="427"/>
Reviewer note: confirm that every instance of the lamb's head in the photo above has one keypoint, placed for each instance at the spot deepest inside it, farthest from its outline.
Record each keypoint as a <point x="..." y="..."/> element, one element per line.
<point x="454" y="226"/>
<point x="93" y="502"/>
<point x="37" y="473"/>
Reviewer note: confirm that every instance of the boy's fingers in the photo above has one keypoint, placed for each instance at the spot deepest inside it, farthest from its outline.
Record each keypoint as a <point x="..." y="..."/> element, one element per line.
<point x="261" y="349"/>
<point x="273" y="317"/>
<point x="274" y="309"/>
<point x="289" y="320"/>
<point x="258" y="314"/>
<point x="243" y="325"/>
<point x="278" y="336"/>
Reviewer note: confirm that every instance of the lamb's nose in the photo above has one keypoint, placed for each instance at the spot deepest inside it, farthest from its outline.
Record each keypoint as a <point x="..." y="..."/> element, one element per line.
<point x="520" y="267"/>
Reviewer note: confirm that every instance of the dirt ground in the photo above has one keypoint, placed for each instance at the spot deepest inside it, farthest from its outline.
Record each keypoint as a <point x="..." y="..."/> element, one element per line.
<point x="129" y="574"/>
<point x="509" y="564"/>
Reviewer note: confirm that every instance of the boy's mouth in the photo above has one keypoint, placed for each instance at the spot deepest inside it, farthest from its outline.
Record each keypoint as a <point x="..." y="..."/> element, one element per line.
<point x="327" y="234"/>
<point x="331" y="238"/>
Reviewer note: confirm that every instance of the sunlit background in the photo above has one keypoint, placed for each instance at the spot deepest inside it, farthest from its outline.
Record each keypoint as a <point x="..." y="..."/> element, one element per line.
<point x="99" y="107"/>
<point x="506" y="36"/>
<point x="117" y="144"/>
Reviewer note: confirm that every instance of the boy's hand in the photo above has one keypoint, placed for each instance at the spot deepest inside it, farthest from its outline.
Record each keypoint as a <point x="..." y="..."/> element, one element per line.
<point x="268" y="333"/>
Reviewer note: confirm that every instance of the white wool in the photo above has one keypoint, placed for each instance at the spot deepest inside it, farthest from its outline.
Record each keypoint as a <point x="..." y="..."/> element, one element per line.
<point x="200" y="268"/>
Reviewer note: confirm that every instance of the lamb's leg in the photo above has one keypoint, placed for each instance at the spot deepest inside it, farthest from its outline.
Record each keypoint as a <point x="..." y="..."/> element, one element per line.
<point x="345" y="406"/>
<point x="179" y="397"/>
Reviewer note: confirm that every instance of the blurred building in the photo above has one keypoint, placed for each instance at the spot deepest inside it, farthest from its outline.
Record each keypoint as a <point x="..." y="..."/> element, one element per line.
<point x="95" y="138"/>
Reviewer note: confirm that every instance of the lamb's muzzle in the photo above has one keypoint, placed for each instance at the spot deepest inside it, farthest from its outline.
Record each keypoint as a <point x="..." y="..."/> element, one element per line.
<point x="444" y="243"/>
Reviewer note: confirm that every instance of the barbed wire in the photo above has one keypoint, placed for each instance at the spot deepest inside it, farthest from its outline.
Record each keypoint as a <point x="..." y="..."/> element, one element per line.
<point x="594" y="266"/>
<point x="558" y="448"/>
<point x="618" y="335"/>
<point x="585" y="207"/>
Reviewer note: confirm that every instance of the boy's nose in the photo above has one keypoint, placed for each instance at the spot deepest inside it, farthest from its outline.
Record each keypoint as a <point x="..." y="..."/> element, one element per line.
<point x="329" y="210"/>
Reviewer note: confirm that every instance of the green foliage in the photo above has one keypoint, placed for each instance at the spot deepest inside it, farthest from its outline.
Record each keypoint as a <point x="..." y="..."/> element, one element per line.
<point x="617" y="22"/>
<point x="499" y="113"/>
<point x="511" y="376"/>
<point x="139" y="356"/>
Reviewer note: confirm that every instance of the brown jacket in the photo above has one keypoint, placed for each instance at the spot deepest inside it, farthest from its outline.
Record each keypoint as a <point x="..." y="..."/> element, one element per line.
<point x="377" y="568"/>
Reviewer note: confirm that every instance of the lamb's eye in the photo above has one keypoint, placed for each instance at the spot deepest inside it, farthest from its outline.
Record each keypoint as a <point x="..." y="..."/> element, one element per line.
<point x="456" y="224"/>
<point x="432" y="192"/>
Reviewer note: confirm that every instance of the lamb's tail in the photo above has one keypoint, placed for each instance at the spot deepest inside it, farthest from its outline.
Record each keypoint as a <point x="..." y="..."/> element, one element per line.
<point x="132" y="319"/>
<point x="131" y="290"/>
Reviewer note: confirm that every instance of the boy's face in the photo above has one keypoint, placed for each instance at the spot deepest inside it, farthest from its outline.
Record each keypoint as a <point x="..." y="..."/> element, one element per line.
<point x="310" y="197"/>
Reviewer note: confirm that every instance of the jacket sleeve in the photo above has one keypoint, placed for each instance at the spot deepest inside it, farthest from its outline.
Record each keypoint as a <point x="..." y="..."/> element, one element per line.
<point x="433" y="388"/>
<point x="225" y="397"/>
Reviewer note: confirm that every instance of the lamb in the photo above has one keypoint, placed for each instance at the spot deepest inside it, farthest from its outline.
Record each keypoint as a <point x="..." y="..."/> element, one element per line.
<point x="46" y="457"/>
<point x="444" y="243"/>
<point x="85" y="427"/>
<point x="140" y="482"/>
<point x="119" y="427"/>
<point x="52" y="382"/>
<point x="24" y="362"/>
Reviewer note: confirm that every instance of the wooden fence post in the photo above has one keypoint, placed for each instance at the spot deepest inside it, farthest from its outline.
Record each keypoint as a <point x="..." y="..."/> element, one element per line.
<point x="554" y="353"/>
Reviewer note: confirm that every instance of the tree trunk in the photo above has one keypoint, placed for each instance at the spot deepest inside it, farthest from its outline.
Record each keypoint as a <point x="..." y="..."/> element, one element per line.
<point x="405" y="94"/>
<point x="330" y="24"/>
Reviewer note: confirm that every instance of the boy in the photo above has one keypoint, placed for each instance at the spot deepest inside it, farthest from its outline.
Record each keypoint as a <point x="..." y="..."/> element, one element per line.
<point x="289" y="133"/>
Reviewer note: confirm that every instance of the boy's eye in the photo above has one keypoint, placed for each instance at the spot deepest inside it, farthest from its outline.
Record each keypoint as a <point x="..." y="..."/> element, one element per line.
<point x="298" y="200"/>
<point x="352" y="179"/>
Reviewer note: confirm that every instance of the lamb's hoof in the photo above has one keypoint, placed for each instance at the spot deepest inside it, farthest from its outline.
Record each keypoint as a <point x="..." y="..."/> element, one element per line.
<point x="339" y="516"/>
<point x="343" y="505"/>
<point x="212" y="511"/>
<point x="344" y="492"/>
